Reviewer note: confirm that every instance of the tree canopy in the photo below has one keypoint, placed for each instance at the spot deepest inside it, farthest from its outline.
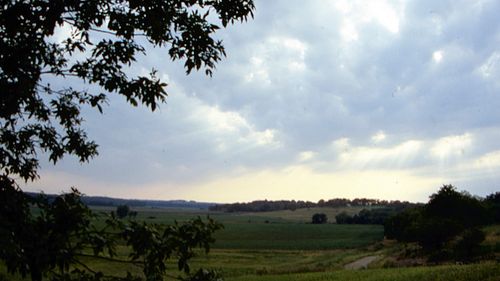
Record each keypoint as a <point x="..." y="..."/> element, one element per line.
<point x="104" y="40"/>
<point x="448" y="226"/>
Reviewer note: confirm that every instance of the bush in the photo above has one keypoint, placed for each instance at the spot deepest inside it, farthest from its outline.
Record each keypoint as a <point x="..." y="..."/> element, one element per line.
<point x="468" y="245"/>
<point x="319" y="218"/>
<point x="122" y="211"/>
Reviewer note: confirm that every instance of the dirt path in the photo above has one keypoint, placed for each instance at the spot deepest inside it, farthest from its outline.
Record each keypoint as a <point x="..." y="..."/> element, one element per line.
<point x="361" y="263"/>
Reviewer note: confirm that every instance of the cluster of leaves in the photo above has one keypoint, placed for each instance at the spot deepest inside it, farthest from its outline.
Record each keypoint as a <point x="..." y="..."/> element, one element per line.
<point x="53" y="238"/>
<point x="448" y="226"/>
<point x="106" y="38"/>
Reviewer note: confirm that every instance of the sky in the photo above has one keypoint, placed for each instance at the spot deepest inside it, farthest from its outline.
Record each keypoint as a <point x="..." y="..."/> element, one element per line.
<point x="315" y="100"/>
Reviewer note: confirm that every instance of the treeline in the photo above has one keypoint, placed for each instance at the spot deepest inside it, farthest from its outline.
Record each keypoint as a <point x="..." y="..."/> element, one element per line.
<point x="449" y="226"/>
<point x="372" y="216"/>
<point x="114" y="202"/>
<point x="267" y="205"/>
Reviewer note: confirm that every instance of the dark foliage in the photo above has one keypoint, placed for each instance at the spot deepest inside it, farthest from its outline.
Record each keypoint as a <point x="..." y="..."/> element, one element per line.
<point x="492" y="203"/>
<point x="35" y="117"/>
<point x="107" y="35"/>
<point x="319" y="218"/>
<point x="468" y="245"/>
<point x="365" y="216"/>
<point x="113" y="202"/>
<point x="446" y="227"/>
<point x="122" y="211"/>
<point x="54" y="242"/>
<point x="404" y="226"/>
<point x="267" y="205"/>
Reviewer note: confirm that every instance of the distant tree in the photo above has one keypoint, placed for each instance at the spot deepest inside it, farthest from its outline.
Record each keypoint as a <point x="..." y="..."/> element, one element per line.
<point x="122" y="211"/>
<point x="343" y="218"/>
<point x="404" y="226"/>
<point x="450" y="204"/>
<point x="365" y="216"/>
<point x="319" y="218"/>
<point x="132" y="214"/>
<point x="266" y="205"/>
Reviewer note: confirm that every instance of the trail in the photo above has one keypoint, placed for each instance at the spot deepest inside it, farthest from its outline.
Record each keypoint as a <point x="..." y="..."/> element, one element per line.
<point x="361" y="263"/>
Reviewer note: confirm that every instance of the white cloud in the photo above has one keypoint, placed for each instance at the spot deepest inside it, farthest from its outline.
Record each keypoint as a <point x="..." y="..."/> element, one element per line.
<point x="363" y="157"/>
<point x="491" y="67"/>
<point x="287" y="53"/>
<point x="379" y="137"/>
<point x="348" y="31"/>
<point x="425" y="72"/>
<point x="302" y="183"/>
<point x="437" y="56"/>
<point x="357" y="14"/>
<point x="306" y="156"/>
<point x="490" y="160"/>
<point x="230" y="129"/>
<point x="451" y="146"/>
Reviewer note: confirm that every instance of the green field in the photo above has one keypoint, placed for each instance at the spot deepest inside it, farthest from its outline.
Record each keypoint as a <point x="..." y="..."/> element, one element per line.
<point x="272" y="230"/>
<point x="305" y="214"/>
<point x="296" y="236"/>
<point x="474" y="272"/>
<point x="284" y="246"/>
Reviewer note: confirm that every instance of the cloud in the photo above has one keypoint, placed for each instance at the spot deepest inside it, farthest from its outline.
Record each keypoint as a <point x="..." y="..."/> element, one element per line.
<point x="346" y="89"/>
<point x="451" y="146"/>
<point x="302" y="183"/>
<point x="379" y="137"/>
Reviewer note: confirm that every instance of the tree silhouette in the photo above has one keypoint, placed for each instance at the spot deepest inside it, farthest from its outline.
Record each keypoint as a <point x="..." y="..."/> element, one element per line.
<point x="122" y="211"/>
<point x="319" y="218"/>
<point x="450" y="220"/>
<point x="105" y="38"/>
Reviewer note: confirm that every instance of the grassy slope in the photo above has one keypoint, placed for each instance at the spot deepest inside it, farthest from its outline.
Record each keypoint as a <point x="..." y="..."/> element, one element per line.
<point x="234" y="263"/>
<point x="474" y="272"/>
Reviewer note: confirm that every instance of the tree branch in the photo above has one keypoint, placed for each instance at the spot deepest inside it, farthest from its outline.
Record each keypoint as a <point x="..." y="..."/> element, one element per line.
<point x="136" y="263"/>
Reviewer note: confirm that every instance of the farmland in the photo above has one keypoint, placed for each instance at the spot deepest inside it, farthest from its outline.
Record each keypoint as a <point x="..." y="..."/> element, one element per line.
<point x="283" y="245"/>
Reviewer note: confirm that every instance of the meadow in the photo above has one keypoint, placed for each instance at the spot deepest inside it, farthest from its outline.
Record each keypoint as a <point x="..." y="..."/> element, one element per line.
<point x="284" y="245"/>
<point x="272" y="246"/>
<point x="472" y="272"/>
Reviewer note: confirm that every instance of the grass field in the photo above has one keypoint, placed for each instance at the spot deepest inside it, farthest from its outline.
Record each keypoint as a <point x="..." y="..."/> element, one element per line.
<point x="305" y="214"/>
<point x="474" y="272"/>
<point x="272" y="230"/>
<point x="287" y="236"/>
<point x="284" y="246"/>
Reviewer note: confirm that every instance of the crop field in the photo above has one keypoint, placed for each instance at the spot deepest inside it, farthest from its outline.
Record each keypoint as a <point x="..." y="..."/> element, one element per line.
<point x="281" y="236"/>
<point x="273" y="246"/>
<point x="271" y="232"/>
<point x="305" y="214"/>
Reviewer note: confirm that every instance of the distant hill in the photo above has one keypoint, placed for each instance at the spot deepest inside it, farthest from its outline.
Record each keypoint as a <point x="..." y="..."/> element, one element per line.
<point x="109" y="201"/>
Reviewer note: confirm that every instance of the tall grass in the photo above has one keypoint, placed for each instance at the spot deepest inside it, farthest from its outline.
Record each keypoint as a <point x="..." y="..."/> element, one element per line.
<point x="473" y="272"/>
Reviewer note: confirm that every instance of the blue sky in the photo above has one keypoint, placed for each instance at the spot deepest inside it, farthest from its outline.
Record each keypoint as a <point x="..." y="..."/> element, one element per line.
<point x="316" y="99"/>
